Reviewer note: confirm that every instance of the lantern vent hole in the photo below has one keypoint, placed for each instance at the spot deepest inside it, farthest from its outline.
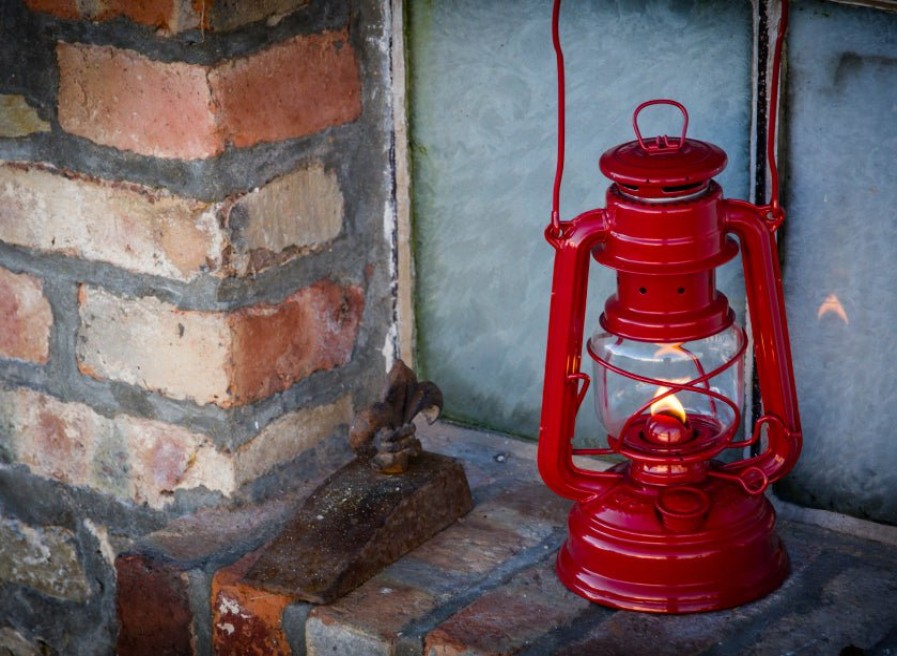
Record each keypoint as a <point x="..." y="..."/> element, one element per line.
<point x="683" y="188"/>
<point x="681" y="290"/>
<point x="642" y="290"/>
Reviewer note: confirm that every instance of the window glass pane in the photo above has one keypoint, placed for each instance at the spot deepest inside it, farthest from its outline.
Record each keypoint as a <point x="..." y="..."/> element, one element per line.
<point x="840" y="251"/>
<point x="483" y="119"/>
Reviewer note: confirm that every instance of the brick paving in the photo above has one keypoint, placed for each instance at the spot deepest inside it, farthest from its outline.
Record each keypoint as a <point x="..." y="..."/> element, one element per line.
<point x="486" y="586"/>
<point x="497" y="593"/>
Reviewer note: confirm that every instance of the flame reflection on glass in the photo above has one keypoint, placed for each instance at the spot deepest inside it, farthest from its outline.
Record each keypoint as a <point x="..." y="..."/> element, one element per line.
<point x="673" y="348"/>
<point x="832" y="305"/>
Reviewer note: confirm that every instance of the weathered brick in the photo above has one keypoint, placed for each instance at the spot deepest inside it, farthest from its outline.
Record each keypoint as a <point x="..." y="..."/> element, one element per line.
<point x="145" y="460"/>
<point x="506" y="619"/>
<point x="137" y="228"/>
<point x="276" y="345"/>
<point x="132" y="458"/>
<point x="222" y="358"/>
<point x="229" y="14"/>
<point x="485" y="545"/>
<point x="119" y="98"/>
<point x="169" y="15"/>
<point x="368" y="620"/>
<point x="14" y="643"/>
<point x="289" y="90"/>
<point x="172" y="16"/>
<point x="164" y="458"/>
<point x="44" y="558"/>
<point x="246" y="621"/>
<point x="153" y="608"/>
<point x="149" y="230"/>
<point x="288" y="437"/>
<point x="152" y="344"/>
<point x="66" y="9"/>
<point x="25" y="318"/>
<point x="291" y="214"/>
<point x="18" y="118"/>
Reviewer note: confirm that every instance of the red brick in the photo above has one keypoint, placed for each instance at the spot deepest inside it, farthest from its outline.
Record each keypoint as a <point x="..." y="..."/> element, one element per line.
<point x="66" y="9"/>
<point x="165" y="14"/>
<point x="289" y="90"/>
<point x="170" y="15"/>
<point x="246" y="621"/>
<point x="119" y="98"/>
<point x="505" y="620"/>
<point x="217" y="357"/>
<point x="131" y="458"/>
<point x="154" y="13"/>
<point x="275" y="346"/>
<point x="25" y="318"/>
<point x="153" y="608"/>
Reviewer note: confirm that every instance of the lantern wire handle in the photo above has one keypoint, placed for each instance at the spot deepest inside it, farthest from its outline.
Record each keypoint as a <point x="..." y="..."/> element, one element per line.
<point x="555" y="227"/>
<point x="776" y="213"/>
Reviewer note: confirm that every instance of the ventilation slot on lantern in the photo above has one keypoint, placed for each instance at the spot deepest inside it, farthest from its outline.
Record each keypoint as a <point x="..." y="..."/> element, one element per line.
<point x="683" y="189"/>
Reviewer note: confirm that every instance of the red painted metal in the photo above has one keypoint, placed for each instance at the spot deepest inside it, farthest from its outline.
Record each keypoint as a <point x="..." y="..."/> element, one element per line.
<point x="671" y="529"/>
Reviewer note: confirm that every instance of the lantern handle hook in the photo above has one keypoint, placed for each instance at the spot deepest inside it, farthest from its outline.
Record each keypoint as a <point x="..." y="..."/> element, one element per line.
<point x="662" y="143"/>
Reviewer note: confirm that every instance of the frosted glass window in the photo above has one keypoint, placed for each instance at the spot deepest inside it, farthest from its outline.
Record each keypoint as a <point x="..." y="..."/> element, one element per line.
<point x="483" y="120"/>
<point x="841" y="255"/>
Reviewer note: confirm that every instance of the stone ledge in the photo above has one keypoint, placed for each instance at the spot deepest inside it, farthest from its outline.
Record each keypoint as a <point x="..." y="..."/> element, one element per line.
<point x="486" y="586"/>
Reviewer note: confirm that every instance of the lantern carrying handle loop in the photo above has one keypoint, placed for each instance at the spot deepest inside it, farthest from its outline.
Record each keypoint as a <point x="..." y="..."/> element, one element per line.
<point x="661" y="144"/>
<point x="774" y="214"/>
<point x="753" y="480"/>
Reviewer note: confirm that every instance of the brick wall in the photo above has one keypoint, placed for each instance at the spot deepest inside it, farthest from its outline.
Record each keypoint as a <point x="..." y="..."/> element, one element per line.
<point x="195" y="287"/>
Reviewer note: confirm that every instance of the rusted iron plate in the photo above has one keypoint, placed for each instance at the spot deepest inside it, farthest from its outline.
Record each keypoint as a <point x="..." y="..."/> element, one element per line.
<point x="358" y="522"/>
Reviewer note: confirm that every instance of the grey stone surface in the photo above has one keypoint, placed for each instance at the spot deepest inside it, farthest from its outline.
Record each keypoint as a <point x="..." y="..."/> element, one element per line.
<point x="838" y="254"/>
<point x="13" y="643"/>
<point x="837" y="600"/>
<point x="44" y="558"/>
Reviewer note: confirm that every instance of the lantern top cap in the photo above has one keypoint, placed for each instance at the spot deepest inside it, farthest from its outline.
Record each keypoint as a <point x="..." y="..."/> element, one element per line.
<point x="662" y="168"/>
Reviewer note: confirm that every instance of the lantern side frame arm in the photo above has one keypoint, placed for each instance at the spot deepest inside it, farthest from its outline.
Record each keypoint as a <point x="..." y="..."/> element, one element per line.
<point x="565" y="384"/>
<point x="772" y="348"/>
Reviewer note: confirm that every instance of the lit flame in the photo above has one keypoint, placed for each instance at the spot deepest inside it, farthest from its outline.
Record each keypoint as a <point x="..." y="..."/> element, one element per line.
<point x="832" y="305"/>
<point x="669" y="404"/>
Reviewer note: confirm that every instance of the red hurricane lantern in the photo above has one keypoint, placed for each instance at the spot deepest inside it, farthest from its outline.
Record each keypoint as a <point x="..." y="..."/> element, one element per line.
<point x="672" y="528"/>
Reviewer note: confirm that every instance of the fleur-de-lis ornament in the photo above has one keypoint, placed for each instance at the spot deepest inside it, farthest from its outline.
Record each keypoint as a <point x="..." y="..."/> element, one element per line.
<point x="385" y="431"/>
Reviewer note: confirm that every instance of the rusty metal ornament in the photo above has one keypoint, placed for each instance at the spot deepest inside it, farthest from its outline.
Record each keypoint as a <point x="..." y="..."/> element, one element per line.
<point x="672" y="529"/>
<point x="385" y="432"/>
<point x="390" y="499"/>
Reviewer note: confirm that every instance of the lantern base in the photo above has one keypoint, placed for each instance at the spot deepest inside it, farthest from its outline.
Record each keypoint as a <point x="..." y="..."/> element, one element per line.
<point x="677" y="549"/>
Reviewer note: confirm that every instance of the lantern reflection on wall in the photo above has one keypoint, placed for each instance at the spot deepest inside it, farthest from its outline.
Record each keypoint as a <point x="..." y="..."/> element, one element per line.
<point x="672" y="528"/>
